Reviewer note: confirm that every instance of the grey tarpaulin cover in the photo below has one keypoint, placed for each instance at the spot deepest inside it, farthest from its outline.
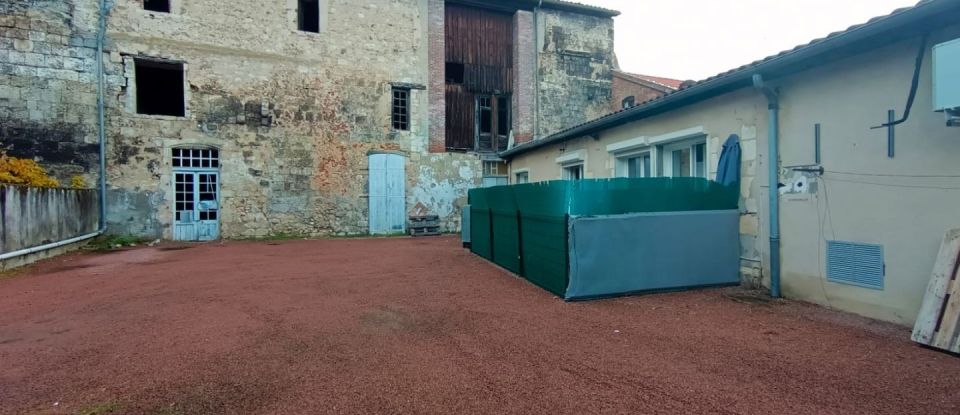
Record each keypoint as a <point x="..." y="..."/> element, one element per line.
<point x="621" y="254"/>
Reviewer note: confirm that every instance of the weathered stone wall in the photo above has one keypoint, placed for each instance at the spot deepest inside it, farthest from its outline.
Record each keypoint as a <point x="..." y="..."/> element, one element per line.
<point x="294" y="114"/>
<point x="576" y="63"/>
<point x="48" y="85"/>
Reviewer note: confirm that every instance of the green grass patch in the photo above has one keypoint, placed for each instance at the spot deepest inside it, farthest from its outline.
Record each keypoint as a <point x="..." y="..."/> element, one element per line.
<point x="11" y="273"/>
<point x="276" y="237"/>
<point x="113" y="242"/>
<point x="168" y="410"/>
<point x="101" y="409"/>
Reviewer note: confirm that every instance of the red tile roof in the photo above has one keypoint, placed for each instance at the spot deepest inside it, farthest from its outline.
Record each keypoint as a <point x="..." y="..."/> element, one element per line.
<point x="659" y="80"/>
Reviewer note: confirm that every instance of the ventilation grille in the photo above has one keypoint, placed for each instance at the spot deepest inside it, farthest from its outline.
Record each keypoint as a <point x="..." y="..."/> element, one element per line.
<point x="855" y="264"/>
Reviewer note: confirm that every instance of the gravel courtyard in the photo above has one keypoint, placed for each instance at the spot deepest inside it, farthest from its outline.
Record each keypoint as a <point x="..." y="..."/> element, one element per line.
<point x="411" y="326"/>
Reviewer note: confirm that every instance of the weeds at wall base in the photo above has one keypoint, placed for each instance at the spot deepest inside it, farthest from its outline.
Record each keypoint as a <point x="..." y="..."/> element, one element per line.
<point x="108" y="243"/>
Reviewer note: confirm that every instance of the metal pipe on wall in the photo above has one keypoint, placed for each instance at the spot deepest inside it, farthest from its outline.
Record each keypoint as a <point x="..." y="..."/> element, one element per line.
<point x="536" y="70"/>
<point x="105" y="6"/>
<point x="46" y="247"/>
<point x="773" y="162"/>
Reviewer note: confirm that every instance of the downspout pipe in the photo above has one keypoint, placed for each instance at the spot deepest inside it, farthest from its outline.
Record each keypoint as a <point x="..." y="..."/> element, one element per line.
<point x="773" y="177"/>
<point x="536" y="70"/>
<point x="105" y="6"/>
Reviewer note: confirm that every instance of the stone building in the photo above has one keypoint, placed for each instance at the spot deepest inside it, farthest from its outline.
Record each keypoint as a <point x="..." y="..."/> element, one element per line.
<point x="249" y="118"/>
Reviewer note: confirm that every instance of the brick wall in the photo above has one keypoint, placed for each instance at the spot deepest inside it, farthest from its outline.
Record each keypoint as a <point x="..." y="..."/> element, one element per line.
<point x="437" y="61"/>
<point x="624" y="87"/>
<point x="525" y="65"/>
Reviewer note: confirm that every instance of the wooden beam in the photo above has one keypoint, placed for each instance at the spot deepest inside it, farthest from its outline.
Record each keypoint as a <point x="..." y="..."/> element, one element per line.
<point x="947" y="335"/>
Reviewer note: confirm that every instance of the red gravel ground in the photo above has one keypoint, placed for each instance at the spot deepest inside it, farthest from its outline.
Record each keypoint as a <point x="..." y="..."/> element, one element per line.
<point x="421" y="326"/>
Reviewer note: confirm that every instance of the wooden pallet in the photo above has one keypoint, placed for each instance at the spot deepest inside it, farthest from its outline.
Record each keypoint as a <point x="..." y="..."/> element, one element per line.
<point x="938" y="324"/>
<point x="427" y="225"/>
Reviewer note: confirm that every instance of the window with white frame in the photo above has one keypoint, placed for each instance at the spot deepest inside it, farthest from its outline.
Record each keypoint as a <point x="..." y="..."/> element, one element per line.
<point x="572" y="164"/>
<point x="677" y="154"/>
<point x="495" y="173"/>
<point x="684" y="159"/>
<point x="573" y="171"/>
<point x="521" y="177"/>
<point x="635" y="165"/>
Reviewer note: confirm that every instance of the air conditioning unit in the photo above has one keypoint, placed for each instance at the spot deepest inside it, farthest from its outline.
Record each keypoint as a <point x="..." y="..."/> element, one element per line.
<point x="946" y="83"/>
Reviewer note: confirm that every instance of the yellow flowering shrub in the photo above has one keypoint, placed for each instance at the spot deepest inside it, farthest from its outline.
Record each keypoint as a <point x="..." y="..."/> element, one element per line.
<point x="24" y="172"/>
<point x="78" y="182"/>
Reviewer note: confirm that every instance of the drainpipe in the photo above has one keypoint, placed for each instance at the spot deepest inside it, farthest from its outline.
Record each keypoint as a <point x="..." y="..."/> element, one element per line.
<point x="101" y="112"/>
<point x="48" y="247"/>
<point x="773" y="156"/>
<point x="536" y="70"/>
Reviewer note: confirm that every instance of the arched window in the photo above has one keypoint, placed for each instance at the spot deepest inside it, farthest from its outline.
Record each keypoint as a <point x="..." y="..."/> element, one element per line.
<point x="628" y="102"/>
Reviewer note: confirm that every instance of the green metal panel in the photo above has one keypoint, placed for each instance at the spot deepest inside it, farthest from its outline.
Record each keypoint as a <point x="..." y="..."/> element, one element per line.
<point x="535" y="246"/>
<point x="545" y="251"/>
<point x="506" y="240"/>
<point x="622" y="196"/>
<point x="480" y="241"/>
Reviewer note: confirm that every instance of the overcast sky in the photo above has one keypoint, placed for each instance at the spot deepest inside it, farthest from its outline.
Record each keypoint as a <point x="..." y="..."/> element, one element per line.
<point x="694" y="39"/>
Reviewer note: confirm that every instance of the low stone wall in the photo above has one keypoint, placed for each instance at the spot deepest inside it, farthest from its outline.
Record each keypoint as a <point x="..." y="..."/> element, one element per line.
<point x="32" y="217"/>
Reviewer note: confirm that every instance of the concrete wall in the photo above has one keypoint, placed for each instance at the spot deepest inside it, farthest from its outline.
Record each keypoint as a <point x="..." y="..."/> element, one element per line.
<point x="864" y="196"/>
<point x="905" y="203"/>
<point x="32" y="217"/>
<point x="741" y="113"/>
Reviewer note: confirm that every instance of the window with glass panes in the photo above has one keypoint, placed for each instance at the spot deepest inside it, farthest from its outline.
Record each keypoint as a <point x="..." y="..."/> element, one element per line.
<point x="401" y="109"/>
<point x="198" y="158"/>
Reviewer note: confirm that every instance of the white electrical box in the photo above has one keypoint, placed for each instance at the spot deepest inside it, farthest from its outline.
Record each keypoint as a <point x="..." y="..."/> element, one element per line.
<point x="946" y="76"/>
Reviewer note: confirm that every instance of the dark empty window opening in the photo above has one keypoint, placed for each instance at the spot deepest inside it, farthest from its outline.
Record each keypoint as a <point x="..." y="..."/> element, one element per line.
<point x="628" y="102"/>
<point x="503" y="118"/>
<point x="309" y="15"/>
<point x="493" y="123"/>
<point x="454" y="73"/>
<point x="160" y="88"/>
<point x="162" y="6"/>
<point x="401" y="109"/>
<point x="486" y="114"/>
